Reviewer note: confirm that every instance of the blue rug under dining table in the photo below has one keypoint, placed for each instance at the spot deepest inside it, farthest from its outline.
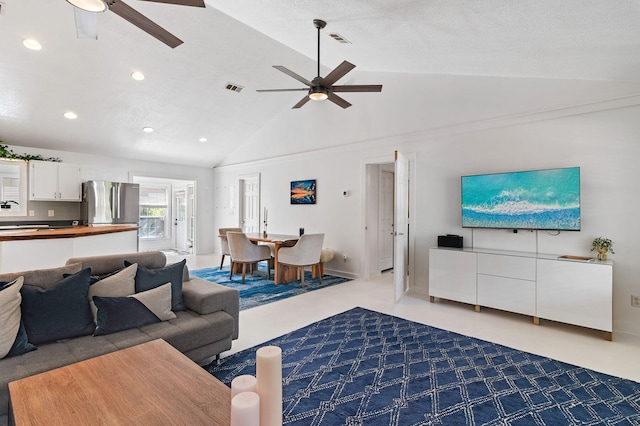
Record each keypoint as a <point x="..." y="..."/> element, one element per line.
<point x="363" y="367"/>
<point x="258" y="290"/>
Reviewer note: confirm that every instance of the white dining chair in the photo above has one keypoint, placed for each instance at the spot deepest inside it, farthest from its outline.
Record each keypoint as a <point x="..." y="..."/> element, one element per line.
<point x="306" y="252"/>
<point x="245" y="252"/>
<point x="224" y="244"/>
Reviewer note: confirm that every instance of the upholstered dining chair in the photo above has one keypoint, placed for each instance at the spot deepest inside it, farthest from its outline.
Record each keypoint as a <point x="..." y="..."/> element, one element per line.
<point x="224" y="244"/>
<point x="306" y="252"/>
<point x="245" y="252"/>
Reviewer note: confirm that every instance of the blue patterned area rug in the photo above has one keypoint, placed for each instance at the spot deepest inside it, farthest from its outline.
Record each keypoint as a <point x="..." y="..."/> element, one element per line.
<point x="257" y="290"/>
<point x="362" y="367"/>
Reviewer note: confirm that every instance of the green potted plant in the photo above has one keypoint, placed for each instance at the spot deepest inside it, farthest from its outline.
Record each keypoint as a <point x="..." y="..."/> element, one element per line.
<point x="7" y="204"/>
<point x="602" y="246"/>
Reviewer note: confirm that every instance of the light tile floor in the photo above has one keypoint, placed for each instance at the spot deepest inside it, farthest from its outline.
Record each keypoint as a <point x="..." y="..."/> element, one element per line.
<point x="571" y="344"/>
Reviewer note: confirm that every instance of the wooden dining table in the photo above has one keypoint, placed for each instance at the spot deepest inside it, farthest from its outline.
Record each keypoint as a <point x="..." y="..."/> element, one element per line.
<point x="281" y="273"/>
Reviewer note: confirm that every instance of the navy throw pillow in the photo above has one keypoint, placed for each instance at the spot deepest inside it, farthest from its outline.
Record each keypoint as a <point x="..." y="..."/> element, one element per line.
<point x="59" y="312"/>
<point x="121" y="313"/>
<point x="146" y="279"/>
<point x="22" y="344"/>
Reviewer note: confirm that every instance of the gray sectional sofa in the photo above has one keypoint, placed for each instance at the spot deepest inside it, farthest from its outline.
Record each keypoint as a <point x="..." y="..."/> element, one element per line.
<point x="202" y="331"/>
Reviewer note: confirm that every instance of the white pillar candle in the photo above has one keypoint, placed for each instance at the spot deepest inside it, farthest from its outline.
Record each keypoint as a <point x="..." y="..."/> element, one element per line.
<point x="269" y="385"/>
<point x="244" y="383"/>
<point x="245" y="409"/>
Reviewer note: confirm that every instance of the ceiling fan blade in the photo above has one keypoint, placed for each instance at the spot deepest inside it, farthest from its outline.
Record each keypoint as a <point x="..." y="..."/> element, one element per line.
<point x="282" y="90"/>
<point x="194" y="3"/>
<point x="290" y="73"/>
<point x="338" y="100"/>
<point x="86" y="23"/>
<point x="337" y="73"/>
<point x="145" y="24"/>
<point x="358" y="88"/>
<point x="301" y="102"/>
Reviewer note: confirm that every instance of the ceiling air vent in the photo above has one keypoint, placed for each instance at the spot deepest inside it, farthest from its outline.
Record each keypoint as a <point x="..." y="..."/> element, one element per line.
<point x="234" y="87"/>
<point x="339" y="38"/>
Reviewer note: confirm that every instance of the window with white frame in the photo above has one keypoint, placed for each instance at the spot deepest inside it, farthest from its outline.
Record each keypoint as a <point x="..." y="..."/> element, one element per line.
<point x="154" y="211"/>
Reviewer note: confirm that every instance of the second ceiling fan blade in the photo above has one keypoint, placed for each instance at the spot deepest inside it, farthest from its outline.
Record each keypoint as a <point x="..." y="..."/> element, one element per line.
<point x="86" y="23"/>
<point x="338" y="100"/>
<point x="145" y="24"/>
<point x="337" y="73"/>
<point x="358" y="88"/>
<point x="282" y="90"/>
<point x="290" y="73"/>
<point x="301" y="102"/>
<point x="194" y="3"/>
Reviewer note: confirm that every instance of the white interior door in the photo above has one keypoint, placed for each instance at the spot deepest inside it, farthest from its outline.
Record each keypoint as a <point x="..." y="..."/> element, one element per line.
<point x="180" y="219"/>
<point x="250" y="218"/>
<point x="385" y="220"/>
<point x="401" y="224"/>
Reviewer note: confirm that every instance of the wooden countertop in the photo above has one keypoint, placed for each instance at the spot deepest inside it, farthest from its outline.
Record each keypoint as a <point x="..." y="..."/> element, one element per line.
<point x="71" y="232"/>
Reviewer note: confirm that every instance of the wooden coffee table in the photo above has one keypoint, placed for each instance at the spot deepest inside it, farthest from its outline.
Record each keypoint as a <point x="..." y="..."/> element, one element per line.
<point x="148" y="384"/>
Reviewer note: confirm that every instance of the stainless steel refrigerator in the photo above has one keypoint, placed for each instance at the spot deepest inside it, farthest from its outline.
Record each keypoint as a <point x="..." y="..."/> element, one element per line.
<point x="110" y="203"/>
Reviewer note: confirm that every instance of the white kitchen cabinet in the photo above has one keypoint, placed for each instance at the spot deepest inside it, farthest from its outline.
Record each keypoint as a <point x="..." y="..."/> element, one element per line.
<point x="50" y="181"/>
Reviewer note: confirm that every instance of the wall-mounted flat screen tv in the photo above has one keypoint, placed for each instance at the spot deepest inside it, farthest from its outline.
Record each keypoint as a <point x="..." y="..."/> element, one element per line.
<point x="537" y="199"/>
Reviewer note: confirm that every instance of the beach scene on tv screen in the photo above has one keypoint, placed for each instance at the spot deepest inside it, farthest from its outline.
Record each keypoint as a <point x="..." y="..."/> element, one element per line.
<point x="539" y="199"/>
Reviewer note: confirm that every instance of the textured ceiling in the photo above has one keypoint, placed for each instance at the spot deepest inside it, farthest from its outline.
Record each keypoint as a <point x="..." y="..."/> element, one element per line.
<point x="183" y="96"/>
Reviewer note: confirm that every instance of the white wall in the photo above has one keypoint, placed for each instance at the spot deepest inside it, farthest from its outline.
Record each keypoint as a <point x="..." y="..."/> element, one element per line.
<point x="603" y="143"/>
<point x="93" y="167"/>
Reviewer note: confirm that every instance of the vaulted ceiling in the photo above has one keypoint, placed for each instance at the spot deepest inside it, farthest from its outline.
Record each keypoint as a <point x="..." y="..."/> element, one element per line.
<point x="419" y="50"/>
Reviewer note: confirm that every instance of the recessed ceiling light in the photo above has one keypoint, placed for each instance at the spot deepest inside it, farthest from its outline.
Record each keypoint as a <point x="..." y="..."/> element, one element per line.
<point x="70" y="115"/>
<point x="147" y="129"/>
<point x="137" y="75"/>
<point x="203" y="139"/>
<point x="32" y="44"/>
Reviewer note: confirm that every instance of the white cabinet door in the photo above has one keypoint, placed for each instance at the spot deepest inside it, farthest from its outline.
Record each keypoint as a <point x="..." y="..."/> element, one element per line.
<point x="69" y="184"/>
<point x="575" y="293"/>
<point x="43" y="180"/>
<point x="50" y="181"/>
<point x="507" y="294"/>
<point x="452" y="275"/>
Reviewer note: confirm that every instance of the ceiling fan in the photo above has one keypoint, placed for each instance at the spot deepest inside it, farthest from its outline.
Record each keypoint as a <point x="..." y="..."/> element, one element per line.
<point x="86" y="13"/>
<point x="322" y="88"/>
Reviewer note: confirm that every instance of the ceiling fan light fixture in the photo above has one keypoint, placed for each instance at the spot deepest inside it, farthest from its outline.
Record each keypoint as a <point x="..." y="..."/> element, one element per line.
<point x="95" y="6"/>
<point x="318" y="94"/>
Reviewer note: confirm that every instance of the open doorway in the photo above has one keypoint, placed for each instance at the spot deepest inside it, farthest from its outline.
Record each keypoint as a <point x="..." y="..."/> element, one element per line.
<point x="379" y="217"/>
<point x="383" y="238"/>
<point x="167" y="215"/>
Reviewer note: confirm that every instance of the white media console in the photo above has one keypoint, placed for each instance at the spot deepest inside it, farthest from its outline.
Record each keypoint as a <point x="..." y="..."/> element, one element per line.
<point x="539" y="285"/>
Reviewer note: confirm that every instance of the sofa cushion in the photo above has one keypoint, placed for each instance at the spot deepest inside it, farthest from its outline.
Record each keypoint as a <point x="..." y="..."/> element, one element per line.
<point x="120" y="284"/>
<point x="13" y="337"/>
<point x="44" y="278"/>
<point x="101" y="265"/>
<point x="147" y="279"/>
<point x="122" y="313"/>
<point x="59" y="312"/>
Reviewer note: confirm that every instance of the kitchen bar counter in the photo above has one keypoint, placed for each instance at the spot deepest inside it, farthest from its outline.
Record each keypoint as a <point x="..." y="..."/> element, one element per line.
<point x="37" y="248"/>
<point x="66" y="232"/>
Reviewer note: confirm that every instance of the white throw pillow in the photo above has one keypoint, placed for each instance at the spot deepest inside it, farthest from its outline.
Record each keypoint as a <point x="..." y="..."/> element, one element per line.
<point x="122" y="284"/>
<point x="10" y="299"/>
